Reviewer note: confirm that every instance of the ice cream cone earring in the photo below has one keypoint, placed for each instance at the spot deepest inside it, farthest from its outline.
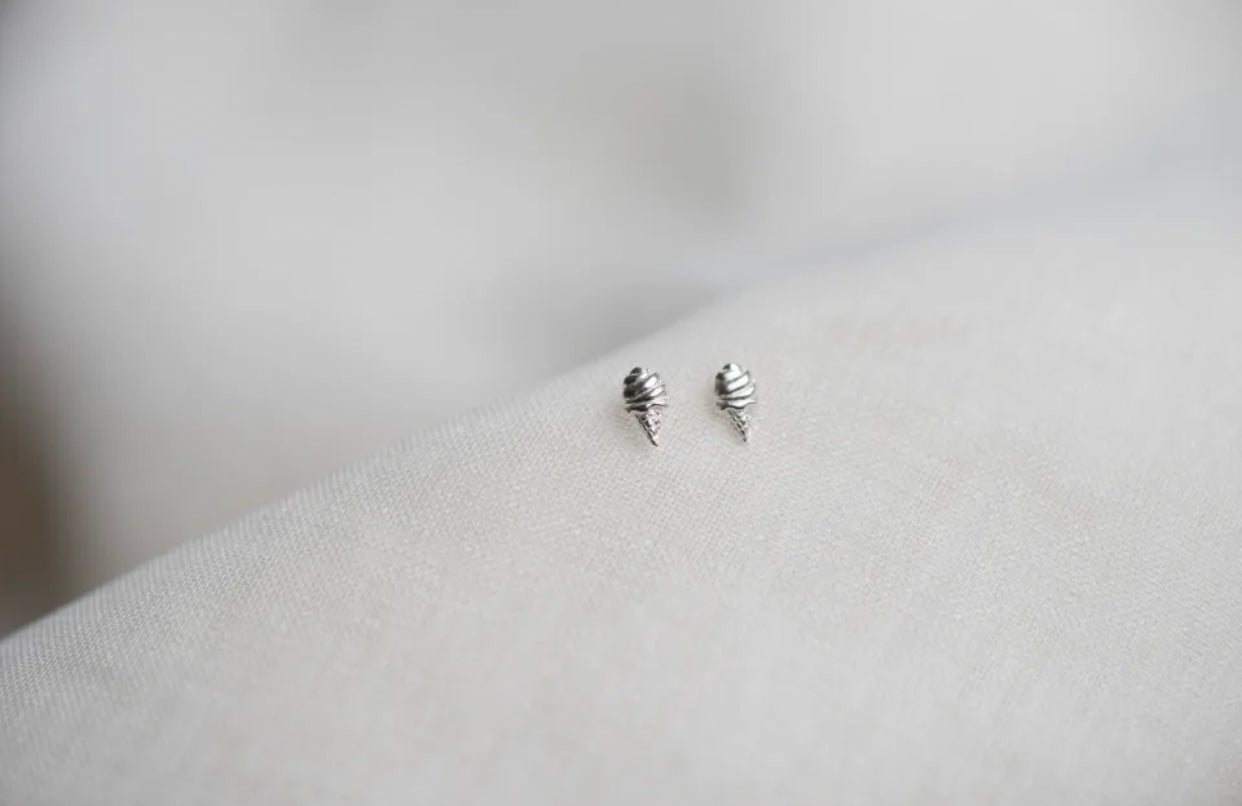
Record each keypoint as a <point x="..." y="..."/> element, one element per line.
<point x="735" y="394"/>
<point x="646" y="398"/>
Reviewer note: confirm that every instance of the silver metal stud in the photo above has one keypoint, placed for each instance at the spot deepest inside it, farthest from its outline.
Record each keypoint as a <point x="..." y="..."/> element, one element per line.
<point x="646" y="398"/>
<point x="735" y="394"/>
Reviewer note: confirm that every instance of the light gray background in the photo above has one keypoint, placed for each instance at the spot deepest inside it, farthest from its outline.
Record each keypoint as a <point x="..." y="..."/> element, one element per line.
<point x="986" y="547"/>
<point x="245" y="242"/>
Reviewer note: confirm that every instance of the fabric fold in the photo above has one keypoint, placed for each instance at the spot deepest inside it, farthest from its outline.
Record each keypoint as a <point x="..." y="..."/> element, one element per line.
<point x="984" y="545"/>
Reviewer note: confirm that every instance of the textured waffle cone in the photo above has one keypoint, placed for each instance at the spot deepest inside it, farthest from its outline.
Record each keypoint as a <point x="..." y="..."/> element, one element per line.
<point x="741" y="421"/>
<point x="651" y="421"/>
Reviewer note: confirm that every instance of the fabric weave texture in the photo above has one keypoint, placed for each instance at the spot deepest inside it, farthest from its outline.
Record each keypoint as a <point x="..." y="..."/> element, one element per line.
<point x="984" y="546"/>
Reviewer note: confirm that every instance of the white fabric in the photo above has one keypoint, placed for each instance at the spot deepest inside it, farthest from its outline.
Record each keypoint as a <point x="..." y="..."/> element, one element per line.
<point x="237" y="236"/>
<point x="985" y="547"/>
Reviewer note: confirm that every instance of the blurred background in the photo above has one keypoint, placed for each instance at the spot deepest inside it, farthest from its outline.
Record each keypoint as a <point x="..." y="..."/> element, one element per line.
<point x="243" y="243"/>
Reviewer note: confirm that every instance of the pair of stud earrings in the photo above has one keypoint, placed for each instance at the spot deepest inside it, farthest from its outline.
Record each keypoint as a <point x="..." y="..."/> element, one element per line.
<point x="646" y="398"/>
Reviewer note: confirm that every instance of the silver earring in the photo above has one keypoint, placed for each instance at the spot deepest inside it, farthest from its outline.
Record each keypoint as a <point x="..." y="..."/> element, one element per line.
<point x="646" y="398"/>
<point x="735" y="393"/>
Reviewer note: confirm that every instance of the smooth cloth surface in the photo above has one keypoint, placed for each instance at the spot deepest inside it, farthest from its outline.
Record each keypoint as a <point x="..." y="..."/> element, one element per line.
<point x="236" y="237"/>
<point x="984" y="547"/>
